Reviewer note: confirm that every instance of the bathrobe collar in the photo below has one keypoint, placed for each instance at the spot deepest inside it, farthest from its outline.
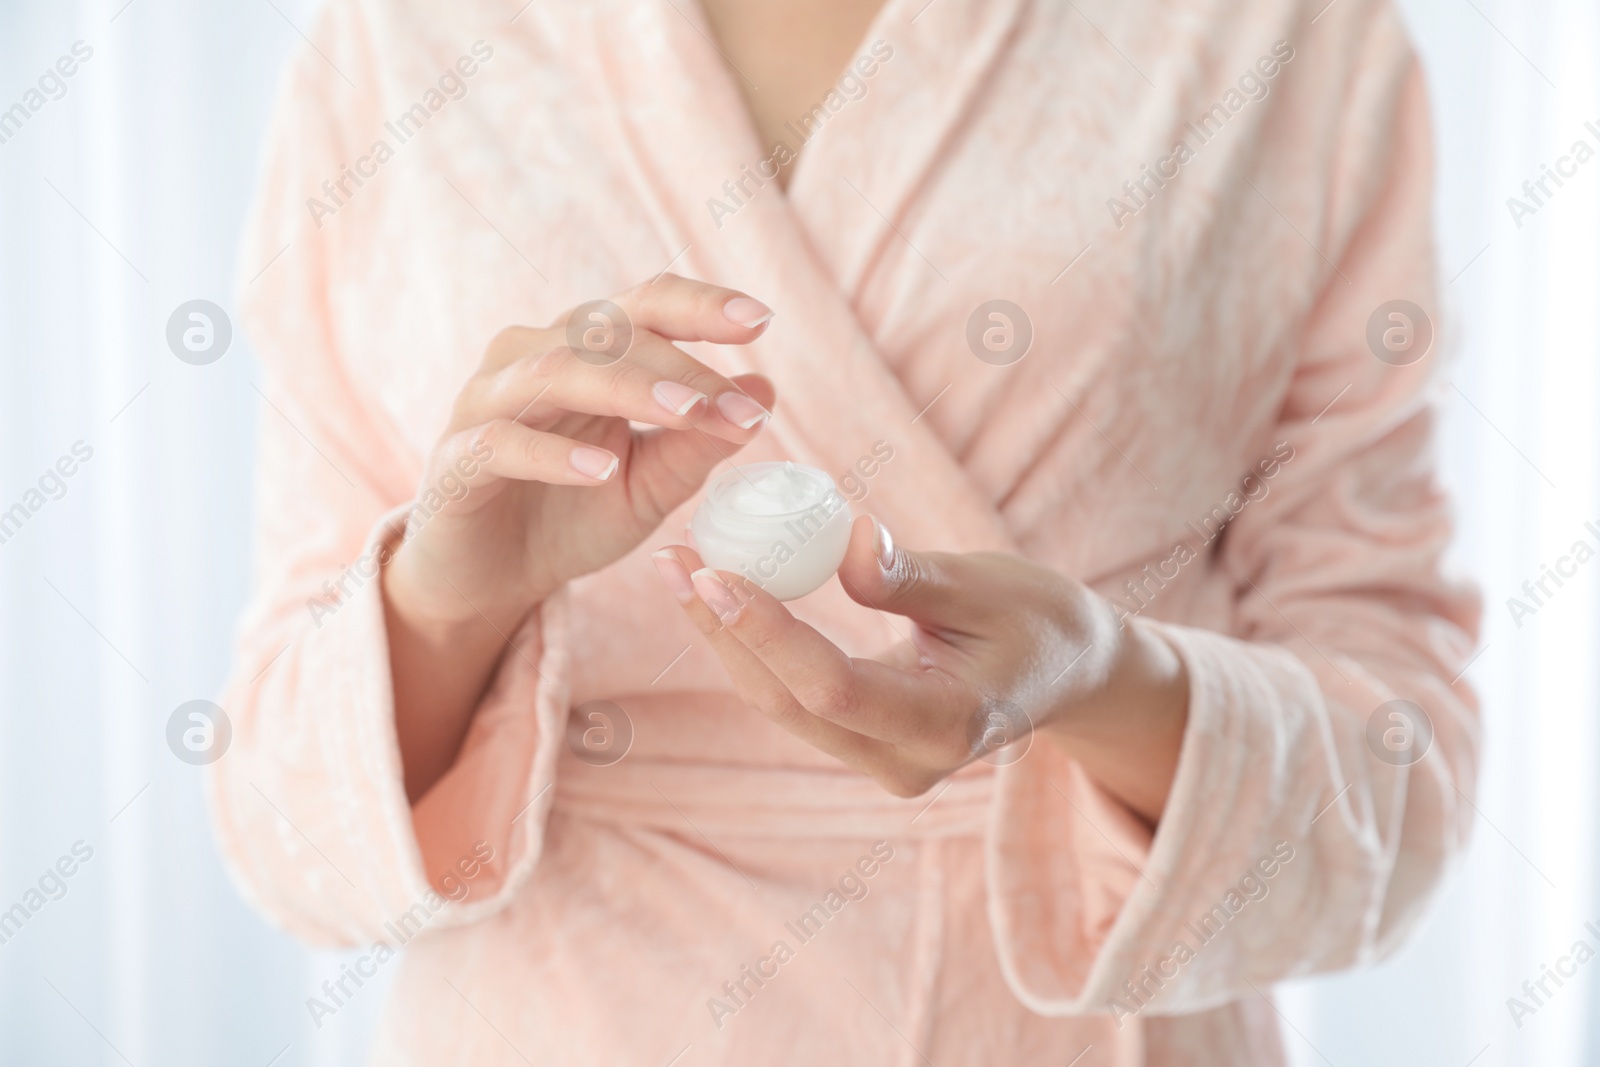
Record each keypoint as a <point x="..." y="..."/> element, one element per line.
<point x="812" y="248"/>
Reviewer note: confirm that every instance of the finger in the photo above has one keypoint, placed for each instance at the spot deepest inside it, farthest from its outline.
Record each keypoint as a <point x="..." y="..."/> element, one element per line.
<point x="667" y="467"/>
<point x="899" y="706"/>
<point x="937" y="589"/>
<point x="687" y="310"/>
<point x="656" y="383"/>
<point x="757" y="685"/>
<point x="506" y="449"/>
<point x="758" y="388"/>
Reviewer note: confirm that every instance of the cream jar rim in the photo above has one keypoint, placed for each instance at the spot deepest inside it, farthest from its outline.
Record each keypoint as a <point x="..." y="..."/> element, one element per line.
<point x="718" y="488"/>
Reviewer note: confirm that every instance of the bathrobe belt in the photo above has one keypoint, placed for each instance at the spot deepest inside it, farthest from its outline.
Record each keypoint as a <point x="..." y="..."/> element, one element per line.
<point x="720" y="800"/>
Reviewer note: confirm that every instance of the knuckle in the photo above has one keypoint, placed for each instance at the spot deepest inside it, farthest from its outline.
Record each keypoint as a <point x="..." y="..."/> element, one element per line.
<point x="659" y="358"/>
<point x="912" y="567"/>
<point x="491" y="435"/>
<point x="509" y="343"/>
<point x="668" y="284"/>
<point x="925" y="577"/>
<point x="703" y="379"/>
<point x="639" y="296"/>
<point x="709" y="299"/>
<point x="634" y="375"/>
<point x="834" y="699"/>
<point x="541" y="361"/>
<point x="763" y="641"/>
<point x="924" y="572"/>
<point x="672" y="289"/>
<point x="536" y="449"/>
<point x="780" y="707"/>
<point x="499" y="389"/>
<point x="528" y="377"/>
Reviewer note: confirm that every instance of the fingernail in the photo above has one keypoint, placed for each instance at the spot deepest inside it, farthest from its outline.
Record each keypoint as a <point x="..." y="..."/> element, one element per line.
<point x="675" y="574"/>
<point x="883" y="543"/>
<point x="594" y="463"/>
<point x="746" y="312"/>
<point x="715" y="592"/>
<point x="741" y="410"/>
<point x="676" y="397"/>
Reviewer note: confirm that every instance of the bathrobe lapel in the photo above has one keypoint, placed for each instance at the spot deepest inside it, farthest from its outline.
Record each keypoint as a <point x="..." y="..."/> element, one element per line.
<point x="806" y="254"/>
<point x="850" y="192"/>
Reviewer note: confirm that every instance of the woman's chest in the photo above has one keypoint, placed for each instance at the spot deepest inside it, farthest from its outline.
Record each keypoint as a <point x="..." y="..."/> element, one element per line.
<point x="993" y="244"/>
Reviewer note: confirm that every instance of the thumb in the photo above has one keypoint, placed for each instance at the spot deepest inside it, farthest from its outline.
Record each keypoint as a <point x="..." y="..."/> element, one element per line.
<point x="669" y="466"/>
<point x="934" y="588"/>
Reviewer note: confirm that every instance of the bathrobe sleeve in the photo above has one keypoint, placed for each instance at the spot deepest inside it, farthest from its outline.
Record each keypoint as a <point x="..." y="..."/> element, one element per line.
<point x="308" y="798"/>
<point x="1288" y="845"/>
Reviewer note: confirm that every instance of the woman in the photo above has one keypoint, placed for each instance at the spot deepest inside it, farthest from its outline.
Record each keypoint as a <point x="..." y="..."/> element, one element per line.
<point x="1163" y="504"/>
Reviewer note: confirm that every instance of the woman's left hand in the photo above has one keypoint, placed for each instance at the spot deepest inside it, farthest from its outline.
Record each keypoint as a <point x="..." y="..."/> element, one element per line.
<point x="997" y="647"/>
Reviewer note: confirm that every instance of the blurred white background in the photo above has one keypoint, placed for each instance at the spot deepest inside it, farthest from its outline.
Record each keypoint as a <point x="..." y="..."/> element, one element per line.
<point x="124" y="198"/>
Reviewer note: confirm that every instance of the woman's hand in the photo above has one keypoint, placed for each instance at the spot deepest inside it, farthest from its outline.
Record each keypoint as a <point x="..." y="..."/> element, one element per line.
<point x="996" y="648"/>
<point x="564" y="485"/>
<point x="552" y="481"/>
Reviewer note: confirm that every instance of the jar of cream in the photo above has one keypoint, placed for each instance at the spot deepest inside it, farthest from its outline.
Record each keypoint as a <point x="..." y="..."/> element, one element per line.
<point x="782" y="525"/>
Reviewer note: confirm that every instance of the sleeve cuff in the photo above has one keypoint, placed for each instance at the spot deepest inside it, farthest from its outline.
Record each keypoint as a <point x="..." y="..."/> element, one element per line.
<point x="1083" y="897"/>
<point x="332" y="848"/>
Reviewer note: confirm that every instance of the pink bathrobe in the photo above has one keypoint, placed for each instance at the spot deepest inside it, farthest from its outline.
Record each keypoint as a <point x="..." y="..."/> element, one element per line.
<point x="725" y="894"/>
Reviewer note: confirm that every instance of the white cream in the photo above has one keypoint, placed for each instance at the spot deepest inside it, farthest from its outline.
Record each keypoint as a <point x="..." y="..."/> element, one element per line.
<point x="782" y="525"/>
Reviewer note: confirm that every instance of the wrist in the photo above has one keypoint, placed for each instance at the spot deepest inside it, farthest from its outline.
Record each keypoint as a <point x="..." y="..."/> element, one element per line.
<point x="1142" y="686"/>
<point x="1127" y="732"/>
<point x="439" y="610"/>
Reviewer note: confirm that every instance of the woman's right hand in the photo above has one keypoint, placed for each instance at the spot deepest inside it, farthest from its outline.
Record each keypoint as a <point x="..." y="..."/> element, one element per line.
<point x="561" y="484"/>
<point x="558" y="483"/>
